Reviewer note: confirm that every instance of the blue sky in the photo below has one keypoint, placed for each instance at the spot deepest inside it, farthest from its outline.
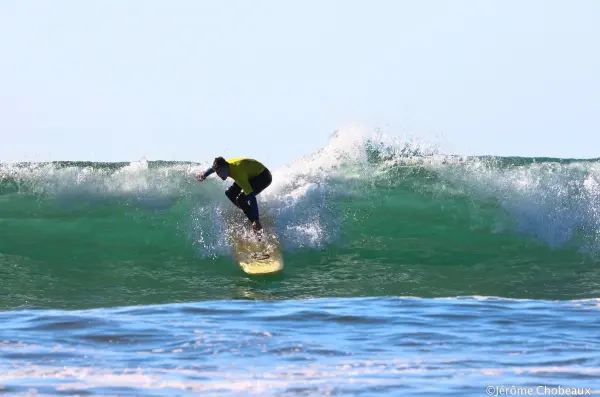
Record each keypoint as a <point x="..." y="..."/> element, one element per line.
<point x="190" y="80"/>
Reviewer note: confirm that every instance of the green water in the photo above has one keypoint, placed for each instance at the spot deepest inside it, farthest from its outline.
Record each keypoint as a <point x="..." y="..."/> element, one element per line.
<point x="78" y="235"/>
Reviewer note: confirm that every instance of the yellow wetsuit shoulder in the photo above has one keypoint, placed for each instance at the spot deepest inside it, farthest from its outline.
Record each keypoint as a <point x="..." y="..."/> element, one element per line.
<point x="242" y="169"/>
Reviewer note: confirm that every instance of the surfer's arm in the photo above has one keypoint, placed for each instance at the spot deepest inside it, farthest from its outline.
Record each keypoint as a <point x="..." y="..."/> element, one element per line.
<point x="202" y="176"/>
<point x="208" y="172"/>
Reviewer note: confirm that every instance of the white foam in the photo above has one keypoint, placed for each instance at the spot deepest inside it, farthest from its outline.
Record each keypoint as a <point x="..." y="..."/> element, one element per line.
<point x="268" y="381"/>
<point x="556" y="203"/>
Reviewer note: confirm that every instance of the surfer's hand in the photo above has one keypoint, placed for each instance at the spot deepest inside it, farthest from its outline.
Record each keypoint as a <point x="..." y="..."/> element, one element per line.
<point x="200" y="177"/>
<point x="256" y="226"/>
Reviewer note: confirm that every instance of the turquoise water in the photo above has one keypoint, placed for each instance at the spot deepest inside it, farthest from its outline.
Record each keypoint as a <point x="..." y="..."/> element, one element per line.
<point x="406" y="272"/>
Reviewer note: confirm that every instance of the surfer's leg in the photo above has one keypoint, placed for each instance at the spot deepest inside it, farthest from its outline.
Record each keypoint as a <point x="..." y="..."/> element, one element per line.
<point x="242" y="202"/>
<point x="261" y="181"/>
<point x="233" y="192"/>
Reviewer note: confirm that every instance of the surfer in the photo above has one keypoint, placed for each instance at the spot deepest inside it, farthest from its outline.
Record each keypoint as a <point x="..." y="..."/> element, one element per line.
<point x="251" y="177"/>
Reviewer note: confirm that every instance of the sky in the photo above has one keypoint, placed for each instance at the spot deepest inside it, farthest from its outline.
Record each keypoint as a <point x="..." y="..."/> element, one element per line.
<point x="191" y="80"/>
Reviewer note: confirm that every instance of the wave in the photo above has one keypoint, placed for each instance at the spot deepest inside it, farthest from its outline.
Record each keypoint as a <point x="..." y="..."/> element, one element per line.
<point x="364" y="195"/>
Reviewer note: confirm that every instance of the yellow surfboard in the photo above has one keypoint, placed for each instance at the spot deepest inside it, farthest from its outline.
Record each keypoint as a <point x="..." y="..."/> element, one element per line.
<point x="257" y="256"/>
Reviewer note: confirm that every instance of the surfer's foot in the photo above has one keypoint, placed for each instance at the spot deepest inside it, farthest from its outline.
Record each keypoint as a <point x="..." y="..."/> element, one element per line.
<point x="256" y="226"/>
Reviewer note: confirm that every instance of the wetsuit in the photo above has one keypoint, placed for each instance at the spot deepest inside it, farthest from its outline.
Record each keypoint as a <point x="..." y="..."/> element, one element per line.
<point x="251" y="177"/>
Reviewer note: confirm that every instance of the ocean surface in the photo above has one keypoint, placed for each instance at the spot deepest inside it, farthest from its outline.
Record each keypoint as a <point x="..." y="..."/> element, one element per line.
<point x="407" y="272"/>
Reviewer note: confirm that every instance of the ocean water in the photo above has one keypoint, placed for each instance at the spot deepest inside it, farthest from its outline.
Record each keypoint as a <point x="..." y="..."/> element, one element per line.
<point x="407" y="272"/>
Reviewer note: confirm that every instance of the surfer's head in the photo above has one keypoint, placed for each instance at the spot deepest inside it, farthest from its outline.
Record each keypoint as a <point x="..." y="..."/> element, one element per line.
<point x="221" y="167"/>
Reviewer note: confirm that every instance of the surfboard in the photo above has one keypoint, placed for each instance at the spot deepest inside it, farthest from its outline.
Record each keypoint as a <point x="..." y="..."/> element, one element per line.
<point x="257" y="256"/>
